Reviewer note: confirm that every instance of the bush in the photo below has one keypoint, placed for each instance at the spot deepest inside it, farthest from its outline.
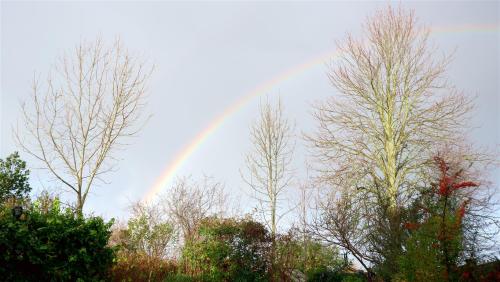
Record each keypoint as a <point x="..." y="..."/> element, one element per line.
<point x="53" y="246"/>
<point x="294" y="252"/>
<point x="435" y="244"/>
<point x="136" y="267"/>
<point x="328" y="275"/>
<point x="228" y="250"/>
<point x="177" y="277"/>
<point x="148" y="232"/>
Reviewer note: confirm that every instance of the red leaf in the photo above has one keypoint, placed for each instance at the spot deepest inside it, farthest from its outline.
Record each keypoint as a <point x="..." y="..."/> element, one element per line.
<point x="443" y="186"/>
<point x="411" y="225"/>
<point x="442" y="164"/>
<point x="464" y="184"/>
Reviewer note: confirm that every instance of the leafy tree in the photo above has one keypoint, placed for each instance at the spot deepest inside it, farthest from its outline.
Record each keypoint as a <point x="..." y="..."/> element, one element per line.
<point x="13" y="178"/>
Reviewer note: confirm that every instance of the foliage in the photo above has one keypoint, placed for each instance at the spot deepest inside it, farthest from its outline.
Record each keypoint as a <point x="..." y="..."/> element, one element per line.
<point x="143" y="245"/>
<point x="13" y="178"/>
<point x="139" y="267"/>
<point x="229" y="250"/>
<point x="324" y="263"/>
<point x="434" y="247"/>
<point x="179" y="277"/>
<point x="316" y="255"/>
<point x="304" y="254"/>
<point x="488" y="271"/>
<point x="190" y="201"/>
<point x="328" y="275"/>
<point x="287" y="256"/>
<point x="53" y="245"/>
<point x="148" y="234"/>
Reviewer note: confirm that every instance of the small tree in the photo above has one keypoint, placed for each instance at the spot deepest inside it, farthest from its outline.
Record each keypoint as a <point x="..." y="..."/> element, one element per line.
<point x="337" y="220"/>
<point x="90" y="103"/>
<point x="14" y="178"/>
<point x="188" y="202"/>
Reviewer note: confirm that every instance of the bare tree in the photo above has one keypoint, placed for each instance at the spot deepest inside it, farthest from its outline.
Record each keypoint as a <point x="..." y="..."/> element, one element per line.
<point x="268" y="163"/>
<point x="377" y="137"/>
<point x="92" y="100"/>
<point x="393" y="106"/>
<point x="338" y="219"/>
<point x="189" y="202"/>
<point x="304" y="205"/>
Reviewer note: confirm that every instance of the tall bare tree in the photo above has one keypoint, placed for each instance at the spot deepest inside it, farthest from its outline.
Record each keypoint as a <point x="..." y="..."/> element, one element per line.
<point x="91" y="101"/>
<point x="393" y="107"/>
<point x="376" y="138"/>
<point x="268" y="164"/>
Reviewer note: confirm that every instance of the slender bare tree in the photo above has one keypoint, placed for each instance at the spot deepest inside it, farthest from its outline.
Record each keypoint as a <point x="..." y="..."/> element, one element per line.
<point x="92" y="100"/>
<point x="188" y="202"/>
<point x="268" y="164"/>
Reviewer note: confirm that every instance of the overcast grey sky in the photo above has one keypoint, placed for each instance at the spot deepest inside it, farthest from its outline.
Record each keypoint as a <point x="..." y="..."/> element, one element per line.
<point x="207" y="55"/>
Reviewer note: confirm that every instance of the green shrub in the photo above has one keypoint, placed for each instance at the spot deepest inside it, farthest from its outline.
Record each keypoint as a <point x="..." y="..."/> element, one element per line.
<point x="323" y="274"/>
<point x="148" y="232"/>
<point x="228" y="250"/>
<point x="13" y="178"/>
<point x="435" y="244"/>
<point x="53" y="245"/>
<point x="294" y="252"/>
<point x="178" y="277"/>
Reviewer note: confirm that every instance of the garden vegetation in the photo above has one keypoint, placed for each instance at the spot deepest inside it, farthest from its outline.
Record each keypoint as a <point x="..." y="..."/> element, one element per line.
<point x="395" y="192"/>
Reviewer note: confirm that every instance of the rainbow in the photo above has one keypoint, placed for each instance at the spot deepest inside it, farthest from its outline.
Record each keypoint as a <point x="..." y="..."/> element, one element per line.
<point x="181" y="158"/>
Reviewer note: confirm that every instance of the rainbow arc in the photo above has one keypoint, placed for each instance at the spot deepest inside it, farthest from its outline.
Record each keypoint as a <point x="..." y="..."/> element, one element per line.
<point x="183" y="156"/>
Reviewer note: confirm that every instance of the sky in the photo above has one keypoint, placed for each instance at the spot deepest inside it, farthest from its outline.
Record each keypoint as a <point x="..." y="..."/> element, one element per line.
<point x="211" y="56"/>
